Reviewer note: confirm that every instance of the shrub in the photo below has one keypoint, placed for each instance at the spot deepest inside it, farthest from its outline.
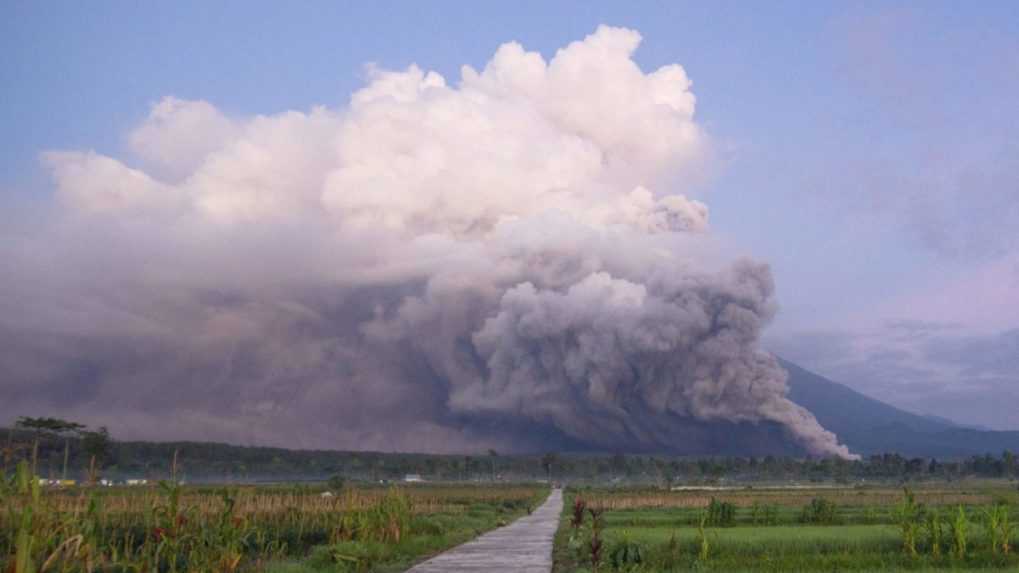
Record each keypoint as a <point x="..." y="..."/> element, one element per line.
<point x="763" y="514"/>
<point x="336" y="483"/>
<point x="626" y="555"/>
<point x="720" y="513"/>
<point x="819" y="511"/>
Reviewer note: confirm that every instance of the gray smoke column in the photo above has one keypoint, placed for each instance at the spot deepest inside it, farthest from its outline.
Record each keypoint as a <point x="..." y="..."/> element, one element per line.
<point x="399" y="273"/>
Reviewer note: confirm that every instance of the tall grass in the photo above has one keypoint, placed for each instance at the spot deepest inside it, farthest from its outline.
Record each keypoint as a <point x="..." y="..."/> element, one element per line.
<point x="172" y="528"/>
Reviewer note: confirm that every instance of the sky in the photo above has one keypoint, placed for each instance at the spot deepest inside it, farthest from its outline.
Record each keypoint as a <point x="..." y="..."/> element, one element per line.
<point x="865" y="151"/>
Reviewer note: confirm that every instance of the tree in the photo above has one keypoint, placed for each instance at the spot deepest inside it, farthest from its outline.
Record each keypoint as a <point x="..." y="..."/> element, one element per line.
<point x="619" y="464"/>
<point x="49" y="426"/>
<point x="547" y="461"/>
<point x="492" y="454"/>
<point x="9" y="451"/>
<point x="96" y="445"/>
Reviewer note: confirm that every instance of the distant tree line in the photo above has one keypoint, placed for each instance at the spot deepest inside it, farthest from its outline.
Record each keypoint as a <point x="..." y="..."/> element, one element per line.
<point x="62" y="449"/>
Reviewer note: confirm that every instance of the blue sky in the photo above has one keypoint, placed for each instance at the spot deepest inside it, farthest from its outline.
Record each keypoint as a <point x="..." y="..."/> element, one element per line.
<point x="866" y="151"/>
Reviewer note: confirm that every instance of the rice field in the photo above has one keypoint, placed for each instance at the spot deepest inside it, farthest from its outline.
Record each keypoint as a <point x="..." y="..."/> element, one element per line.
<point x="966" y="527"/>
<point x="169" y="528"/>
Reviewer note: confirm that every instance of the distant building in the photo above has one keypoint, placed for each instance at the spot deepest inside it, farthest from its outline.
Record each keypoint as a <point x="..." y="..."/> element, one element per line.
<point x="137" y="482"/>
<point x="57" y="482"/>
<point x="412" y="478"/>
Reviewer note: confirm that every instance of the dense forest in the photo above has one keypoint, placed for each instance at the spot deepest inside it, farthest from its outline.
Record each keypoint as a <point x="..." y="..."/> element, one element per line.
<point x="63" y="449"/>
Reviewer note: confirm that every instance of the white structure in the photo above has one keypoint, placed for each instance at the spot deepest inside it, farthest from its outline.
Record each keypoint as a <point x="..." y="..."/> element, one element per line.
<point x="412" y="478"/>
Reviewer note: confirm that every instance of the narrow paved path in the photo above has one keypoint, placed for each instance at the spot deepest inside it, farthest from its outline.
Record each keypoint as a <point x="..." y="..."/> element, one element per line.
<point x="524" y="546"/>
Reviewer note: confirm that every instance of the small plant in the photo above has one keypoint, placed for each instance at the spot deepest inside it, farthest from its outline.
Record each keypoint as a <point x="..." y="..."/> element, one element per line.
<point x="673" y="546"/>
<point x="704" y="545"/>
<point x="958" y="528"/>
<point x="596" y="544"/>
<point x="1007" y="531"/>
<point x="579" y="506"/>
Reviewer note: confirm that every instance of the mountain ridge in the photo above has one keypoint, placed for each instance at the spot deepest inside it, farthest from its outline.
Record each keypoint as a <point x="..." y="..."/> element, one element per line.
<point x="869" y="426"/>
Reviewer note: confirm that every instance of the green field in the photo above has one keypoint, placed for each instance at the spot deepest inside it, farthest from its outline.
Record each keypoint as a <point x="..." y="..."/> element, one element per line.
<point x="854" y="529"/>
<point x="169" y="528"/>
<point x="173" y="528"/>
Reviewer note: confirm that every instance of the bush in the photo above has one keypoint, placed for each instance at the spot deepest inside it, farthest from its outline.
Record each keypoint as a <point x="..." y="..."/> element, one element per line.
<point x="626" y="555"/>
<point x="720" y="513"/>
<point x="763" y="514"/>
<point x="820" y="511"/>
<point x="336" y="483"/>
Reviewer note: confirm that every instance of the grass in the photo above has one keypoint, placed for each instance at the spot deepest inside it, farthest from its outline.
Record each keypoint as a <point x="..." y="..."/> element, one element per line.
<point x="428" y="536"/>
<point x="830" y="530"/>
<point x="176" y="528"/>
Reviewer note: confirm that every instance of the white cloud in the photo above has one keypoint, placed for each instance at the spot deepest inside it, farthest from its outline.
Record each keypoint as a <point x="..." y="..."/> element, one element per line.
<point x="179" y="134"/>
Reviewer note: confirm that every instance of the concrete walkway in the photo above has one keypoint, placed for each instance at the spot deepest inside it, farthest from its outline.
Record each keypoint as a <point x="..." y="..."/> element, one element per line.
<point x="524" y="546"/>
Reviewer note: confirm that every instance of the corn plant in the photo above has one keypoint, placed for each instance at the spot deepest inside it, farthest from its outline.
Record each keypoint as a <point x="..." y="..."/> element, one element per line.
<point x="909" y="515"/>
<point x="999" y="528"/>
<point x="171" y="528"/>
<point x="934" y="528"/>
<point x="704" y="545"/>
<point x="959" y="527"/>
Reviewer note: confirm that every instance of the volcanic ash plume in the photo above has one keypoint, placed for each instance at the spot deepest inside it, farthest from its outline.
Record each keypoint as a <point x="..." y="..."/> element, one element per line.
<point x="434" y="267"/>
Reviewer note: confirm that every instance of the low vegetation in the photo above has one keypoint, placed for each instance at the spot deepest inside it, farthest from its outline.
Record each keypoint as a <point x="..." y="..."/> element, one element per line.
<point x="822" y="529"/>
<point x="627" y="513"/>
<point x="173" y="528"/>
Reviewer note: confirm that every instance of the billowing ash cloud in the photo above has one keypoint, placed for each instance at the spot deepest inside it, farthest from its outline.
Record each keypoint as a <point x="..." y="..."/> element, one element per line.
<point x="435" y="267"/>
